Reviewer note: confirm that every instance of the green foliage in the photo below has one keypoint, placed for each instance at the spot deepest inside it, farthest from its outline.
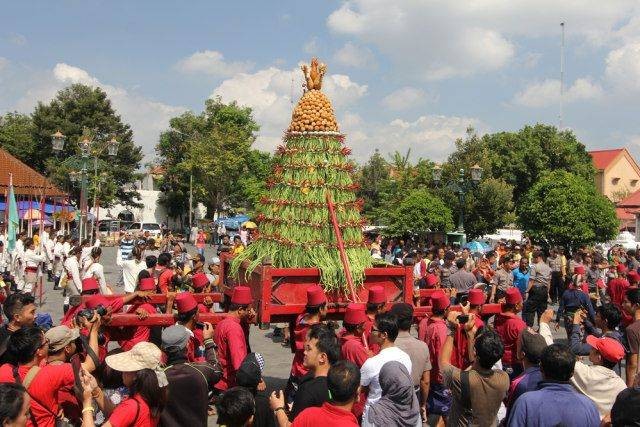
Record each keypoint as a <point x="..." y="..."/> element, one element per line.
<point x="83" y="110"/>
<point x="565" y="209"/>
<point x="15" y="135"/>
<point x="419" y="212"/>
<point x="215" y="147"/>
<point x="295" y="230"/>
<point x="520" y="158"/>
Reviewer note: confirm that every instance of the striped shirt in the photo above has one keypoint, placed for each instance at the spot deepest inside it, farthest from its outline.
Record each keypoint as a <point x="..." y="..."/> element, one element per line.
<point x="126" y="246"/>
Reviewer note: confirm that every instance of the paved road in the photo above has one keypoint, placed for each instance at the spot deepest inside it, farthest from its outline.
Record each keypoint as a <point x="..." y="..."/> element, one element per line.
<point x="277" y="358"/>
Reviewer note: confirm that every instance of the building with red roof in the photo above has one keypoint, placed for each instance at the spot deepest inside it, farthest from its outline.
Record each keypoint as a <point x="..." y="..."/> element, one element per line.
<point x="617" y="173"/>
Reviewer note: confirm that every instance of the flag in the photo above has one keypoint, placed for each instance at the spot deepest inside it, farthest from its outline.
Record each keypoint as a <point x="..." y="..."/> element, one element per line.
<point x="13" y="223"/>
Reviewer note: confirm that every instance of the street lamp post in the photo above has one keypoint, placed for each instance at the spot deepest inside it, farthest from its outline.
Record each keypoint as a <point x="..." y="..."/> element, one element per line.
<point x="460" y="186"/>
<point x="88" y="148"/>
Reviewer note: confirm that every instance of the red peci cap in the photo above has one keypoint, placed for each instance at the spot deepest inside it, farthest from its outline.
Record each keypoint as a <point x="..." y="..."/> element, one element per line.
<point x="147" y="284"/>
<point x="96" y="300"/>
<point x="432" y="279"/>
<point x="185" y="302"/>
<point x="578" y="269"/>
<point x="439" y="300"/>
<point x="315" y="295"/>
<point x="241" y="295"/>
<point x="355" y="314"/>
<point x="376" y="295"/>
<point x="609" y="348"/>
<point x="199" y="280"/>
<point x="90" y="284"/>
<point x="621" y="268"/>
<point x="476" y="297"/>
<point x="513" y="296"/>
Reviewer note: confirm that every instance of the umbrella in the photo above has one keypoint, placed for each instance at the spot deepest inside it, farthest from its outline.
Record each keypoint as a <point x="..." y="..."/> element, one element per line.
<point x="475" y="246"/>
<point x="249" y="224"/>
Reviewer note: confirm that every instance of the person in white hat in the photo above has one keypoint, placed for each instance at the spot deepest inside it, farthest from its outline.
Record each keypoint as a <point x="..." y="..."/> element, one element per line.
<point x="146" y="380"/>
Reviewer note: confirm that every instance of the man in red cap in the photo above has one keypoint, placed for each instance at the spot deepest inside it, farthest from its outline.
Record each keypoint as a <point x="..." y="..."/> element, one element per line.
<point x="460" y="357"/>
<point x="435" y="334"/>
<point x="351" y="346"/>
<point x="509" y="326"/>
<point x="187" y="316"/>
<point x="375" y="304"/>
<point x="132" y="336"/>
<point x="618" y="286"/>
<point x="230" y="338"/>
<point x="200" y="284"/>
<point x="315" y="311"/>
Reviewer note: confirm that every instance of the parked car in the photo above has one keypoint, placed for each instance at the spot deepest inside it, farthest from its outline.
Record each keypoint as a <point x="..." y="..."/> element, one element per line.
<point x="152" y="227"/>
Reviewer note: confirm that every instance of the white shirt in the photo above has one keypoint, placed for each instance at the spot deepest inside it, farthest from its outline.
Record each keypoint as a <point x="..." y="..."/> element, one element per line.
<point x="66" y="247"/>
<point x="58" y="250"/>
<point x="32" y="259"/>
<point x="130" y="270"/>
<point x="96" y="270"/>
<point x="48" y="249"/>
<point x="72" y="266"/>
<point x="5" y="261"/>
<point x="370" y="372"/>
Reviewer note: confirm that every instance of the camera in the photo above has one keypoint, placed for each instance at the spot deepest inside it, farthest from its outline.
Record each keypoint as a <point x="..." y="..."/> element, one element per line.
<point x="88" y="313"/>
<point x="463" y="318"/>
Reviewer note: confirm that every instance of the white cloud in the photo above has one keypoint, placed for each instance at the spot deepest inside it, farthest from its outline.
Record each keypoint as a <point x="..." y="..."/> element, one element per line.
<point x="623" y="67"/>
<point x="547" y="93"/>
<point x="437" y="39"/>
<point x="212" y="62"/>
<point x="269" y="93"/>
<point x="429" y="136"/>
<point x="147" y="117"/>
<point x="351" y="55"/>
<point x="312" y="46"/>
<point x="406" y="98"/>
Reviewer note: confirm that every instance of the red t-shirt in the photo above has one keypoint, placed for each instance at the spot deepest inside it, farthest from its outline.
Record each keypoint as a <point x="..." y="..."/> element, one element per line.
<point x="44" y="387"/>
<point x="368" y="327"/>
<point x="124" y="415"/>
<point x="353" y="350"/>
<point x="435" y="336"/>
<point x="164" y="279"/>
<point x="232" y="349"/>
<point x="327" y="414"/>
<point x="616" y="289"/>
<point x="140" y="333"/>
<point x="508" y="327"/>
<point x="299" y="334"/>
<point x="460" y="357"/>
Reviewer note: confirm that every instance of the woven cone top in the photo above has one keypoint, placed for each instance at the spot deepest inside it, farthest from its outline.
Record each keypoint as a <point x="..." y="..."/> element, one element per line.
<point x="314" y="112"/>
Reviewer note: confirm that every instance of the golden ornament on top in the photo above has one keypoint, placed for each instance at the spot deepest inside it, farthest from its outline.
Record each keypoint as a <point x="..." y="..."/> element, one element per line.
<point x="314" y="112"/>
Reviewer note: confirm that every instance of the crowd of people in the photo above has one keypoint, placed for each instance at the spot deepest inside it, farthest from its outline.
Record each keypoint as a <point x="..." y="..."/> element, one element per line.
<point x="382" y="366"/>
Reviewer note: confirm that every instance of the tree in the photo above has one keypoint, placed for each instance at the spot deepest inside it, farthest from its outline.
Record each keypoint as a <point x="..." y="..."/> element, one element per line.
<point x="418" y="213"/>
<point x="520" y="158"/>
<point x="78" y="111"/>
<point x="565" y="209"/>
<point x="215" y="148"/>
<point x="15" y="135"/>
<point x="373" y="179"/>
<point x="487" y="207"/>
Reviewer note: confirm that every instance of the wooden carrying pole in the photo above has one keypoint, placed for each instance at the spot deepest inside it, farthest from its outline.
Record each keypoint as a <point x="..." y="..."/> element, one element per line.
<point x="343" y="254"/>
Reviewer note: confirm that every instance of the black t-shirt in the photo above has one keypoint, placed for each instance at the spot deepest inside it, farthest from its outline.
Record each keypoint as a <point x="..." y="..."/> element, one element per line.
<point x="5" y="333"/>
<point x="311" y="392"/>
<point x="626" y="409"/>
<point x="264" y="415"/>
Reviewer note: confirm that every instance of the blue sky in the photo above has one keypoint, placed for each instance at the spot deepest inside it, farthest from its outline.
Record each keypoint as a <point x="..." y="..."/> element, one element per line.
<point x="402" y="74"/>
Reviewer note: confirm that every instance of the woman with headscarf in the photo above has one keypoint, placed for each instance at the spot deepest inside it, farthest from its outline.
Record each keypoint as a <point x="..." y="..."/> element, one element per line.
<point x="398" y="406"/>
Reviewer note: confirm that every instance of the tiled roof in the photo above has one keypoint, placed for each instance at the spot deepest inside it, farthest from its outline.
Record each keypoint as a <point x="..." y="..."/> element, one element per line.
<point x="603" y="158"/>
<point x="25" y="180"/>
<point x="631" y="201"/>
